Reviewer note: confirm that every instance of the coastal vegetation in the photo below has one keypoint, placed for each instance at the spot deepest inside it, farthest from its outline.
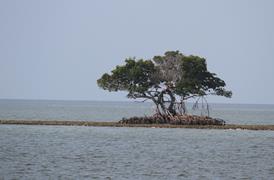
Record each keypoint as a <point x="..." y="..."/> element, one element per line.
<point x="169" y="81"/>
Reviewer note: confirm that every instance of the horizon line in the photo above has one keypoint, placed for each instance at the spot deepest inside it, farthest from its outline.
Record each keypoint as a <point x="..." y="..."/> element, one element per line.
<point x="136" y="101"/>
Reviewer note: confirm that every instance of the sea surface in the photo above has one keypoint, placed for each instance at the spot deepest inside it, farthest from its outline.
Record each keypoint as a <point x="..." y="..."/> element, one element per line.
<point x="70" y="152"/>
<point x="114" y="111"/>
<point x="78" y="152"/>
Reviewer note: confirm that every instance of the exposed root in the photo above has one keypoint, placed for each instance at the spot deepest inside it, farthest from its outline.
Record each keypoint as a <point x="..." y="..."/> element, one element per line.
<point x="176" y="120"/>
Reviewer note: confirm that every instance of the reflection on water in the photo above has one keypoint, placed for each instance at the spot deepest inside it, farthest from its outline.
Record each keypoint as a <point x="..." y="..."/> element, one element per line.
<point x="52" y="152"/>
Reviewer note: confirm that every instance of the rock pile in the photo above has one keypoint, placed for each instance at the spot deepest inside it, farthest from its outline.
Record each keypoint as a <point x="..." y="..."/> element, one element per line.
<point x="176" y="120"/>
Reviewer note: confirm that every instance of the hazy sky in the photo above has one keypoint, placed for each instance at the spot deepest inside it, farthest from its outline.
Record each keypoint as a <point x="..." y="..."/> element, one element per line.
<point x="54" y="49"/>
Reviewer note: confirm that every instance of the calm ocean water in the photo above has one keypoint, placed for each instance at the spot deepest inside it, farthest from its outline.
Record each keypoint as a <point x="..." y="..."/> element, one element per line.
<point x="64" y="152"/>
<point x="114" y="111"/>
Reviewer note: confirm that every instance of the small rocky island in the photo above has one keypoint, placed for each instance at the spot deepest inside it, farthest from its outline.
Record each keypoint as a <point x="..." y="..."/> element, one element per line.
<point x="168" y="81"/>
<point x="174" y="120"/>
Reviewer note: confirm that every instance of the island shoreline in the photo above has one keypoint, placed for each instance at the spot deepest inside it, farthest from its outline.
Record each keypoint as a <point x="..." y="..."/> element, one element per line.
<point x="116" y="124"/>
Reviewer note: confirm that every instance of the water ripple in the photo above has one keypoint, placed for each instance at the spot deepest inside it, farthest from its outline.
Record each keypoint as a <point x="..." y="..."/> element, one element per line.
<point x="49" y="152"/>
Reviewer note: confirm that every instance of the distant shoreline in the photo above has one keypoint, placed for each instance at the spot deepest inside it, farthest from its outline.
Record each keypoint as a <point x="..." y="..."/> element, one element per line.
<point x="116" y="124"/>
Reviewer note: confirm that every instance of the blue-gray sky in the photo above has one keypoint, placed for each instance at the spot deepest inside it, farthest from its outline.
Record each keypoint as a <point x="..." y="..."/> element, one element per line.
<point x="57" y="49"/>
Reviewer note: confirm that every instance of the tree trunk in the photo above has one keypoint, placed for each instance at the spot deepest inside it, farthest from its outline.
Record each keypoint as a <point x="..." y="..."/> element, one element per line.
<point x="171" y="108"/>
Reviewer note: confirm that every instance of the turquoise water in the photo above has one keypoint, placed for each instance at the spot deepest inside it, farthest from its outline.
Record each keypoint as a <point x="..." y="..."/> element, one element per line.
<point x="114" y="111"/>
<point x="64" y="152"/>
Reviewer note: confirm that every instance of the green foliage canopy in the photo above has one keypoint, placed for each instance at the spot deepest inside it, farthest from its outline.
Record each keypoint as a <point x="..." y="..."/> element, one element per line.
<point x="164" y="79"/>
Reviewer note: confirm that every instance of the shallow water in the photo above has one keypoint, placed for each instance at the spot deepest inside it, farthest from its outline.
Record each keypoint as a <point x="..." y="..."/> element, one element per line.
<point x="114" y="111"/>
<point x="64" y="152"/>
<point x="52" y="152"/>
